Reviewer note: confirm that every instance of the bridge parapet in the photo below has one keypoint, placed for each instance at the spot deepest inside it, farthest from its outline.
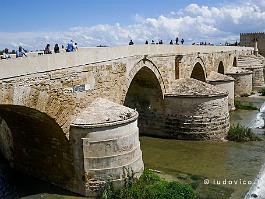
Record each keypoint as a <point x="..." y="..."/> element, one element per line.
<point x="36" y="64"/>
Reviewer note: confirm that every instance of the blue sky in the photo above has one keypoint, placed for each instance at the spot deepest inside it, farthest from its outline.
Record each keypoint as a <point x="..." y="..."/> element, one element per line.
<point x="34" y="23"/>
<point x="35" y="15"/>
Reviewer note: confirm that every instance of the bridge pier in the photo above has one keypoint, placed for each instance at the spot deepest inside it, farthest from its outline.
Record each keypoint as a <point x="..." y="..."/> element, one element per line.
<point x="196" y="110"/>
<point x="256" y="65"/>
<point x="226" y="83"/>
<point x="106" y="145"/>
<point x="243" y="81"/>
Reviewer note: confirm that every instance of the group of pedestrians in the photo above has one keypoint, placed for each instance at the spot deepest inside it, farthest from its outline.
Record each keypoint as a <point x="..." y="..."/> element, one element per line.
<point x="71" y="47"/>
<point x="161" y="42"/>
<point x="56" y="49"/>
<point x="21" y="52"/>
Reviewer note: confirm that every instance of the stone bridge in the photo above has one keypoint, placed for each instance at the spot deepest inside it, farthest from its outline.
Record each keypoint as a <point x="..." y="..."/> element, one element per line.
<point x="55" y="125"/>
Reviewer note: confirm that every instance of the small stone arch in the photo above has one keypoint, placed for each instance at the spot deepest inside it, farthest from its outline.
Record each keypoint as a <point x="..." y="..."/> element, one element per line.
<point x="235" y="62"/>
<point x="198" y="71"/>
<point x="221" y="68"/>
<point x="150" y="65"/>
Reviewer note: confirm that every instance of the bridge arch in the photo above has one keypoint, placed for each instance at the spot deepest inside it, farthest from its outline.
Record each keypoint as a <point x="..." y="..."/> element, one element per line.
<point x="145" y="94"/>
<point x="35" y="144"/>
<point x="146" y="63"/>
<point x="235" y="62"/>
<point x="198" y="71"/>
<point x="221" y="68"/>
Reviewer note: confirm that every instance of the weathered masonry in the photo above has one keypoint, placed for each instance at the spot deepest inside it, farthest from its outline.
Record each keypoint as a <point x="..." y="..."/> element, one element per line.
<point x="248" y="39"/>
<point x="73" y="119"/>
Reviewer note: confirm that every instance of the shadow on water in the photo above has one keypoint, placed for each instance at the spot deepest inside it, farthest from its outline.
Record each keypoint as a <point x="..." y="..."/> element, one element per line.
<point x="14" y="184"/>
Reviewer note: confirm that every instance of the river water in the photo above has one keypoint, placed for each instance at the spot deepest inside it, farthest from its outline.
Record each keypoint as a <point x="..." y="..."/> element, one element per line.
<point x="194" y="162"/>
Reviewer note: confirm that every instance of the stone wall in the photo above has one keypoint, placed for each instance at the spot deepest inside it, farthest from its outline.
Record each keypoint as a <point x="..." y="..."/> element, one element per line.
<point x="209" y="62"/>
<point x="243" y="84"/>
<point x="230" y="88"/>
<point x="258" y="77"/>
<point x="106" y="153"/>
<point x="196" y="118"/>
<point x="40" y="64"/>
<point x="247" y="39"/>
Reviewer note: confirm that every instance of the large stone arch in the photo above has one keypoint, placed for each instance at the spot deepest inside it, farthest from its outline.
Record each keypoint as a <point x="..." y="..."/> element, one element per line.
<point x="148" y="64"/>
<point x="145" y="94"/>
<point x="56" y="104"/>
<point x="35" y="144"/>
<point x="198" y="71"/>
<point x="35" y="125"/>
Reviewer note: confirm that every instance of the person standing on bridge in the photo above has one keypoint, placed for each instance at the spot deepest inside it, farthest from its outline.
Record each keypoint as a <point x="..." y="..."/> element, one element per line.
<point x="70" y="46"/>
<point x="56" y="48"/>
<point x="182" y="41"/>
<point x="75" y="47"/>
<point x="131" y="42"/>
<point x="20" y="52"/>
<point x="47" y="49"/>
<point x="6" y="54"/>
<point x="177" y="41"/>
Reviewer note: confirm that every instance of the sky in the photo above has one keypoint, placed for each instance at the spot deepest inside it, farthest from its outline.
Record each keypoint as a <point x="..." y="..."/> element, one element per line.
<point x="32" y="24"/>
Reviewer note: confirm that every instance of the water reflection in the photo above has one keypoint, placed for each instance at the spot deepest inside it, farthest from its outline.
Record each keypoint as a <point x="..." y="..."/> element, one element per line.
<point x="14" y="185"/>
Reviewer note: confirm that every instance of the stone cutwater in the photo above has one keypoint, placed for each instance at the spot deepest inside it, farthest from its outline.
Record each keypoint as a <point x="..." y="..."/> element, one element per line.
<point x="196" y="110"/>
<point x="243" y="81"/>
<point x="106" y="143"/>
<point x="224" y="82"/>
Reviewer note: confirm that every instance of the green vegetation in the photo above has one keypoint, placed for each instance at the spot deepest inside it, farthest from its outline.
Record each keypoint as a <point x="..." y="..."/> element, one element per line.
<point x="245" y="105"/>
<point x="148" y="186"/>
<point x="262" y="91"/>
<point x="240" y="133"/>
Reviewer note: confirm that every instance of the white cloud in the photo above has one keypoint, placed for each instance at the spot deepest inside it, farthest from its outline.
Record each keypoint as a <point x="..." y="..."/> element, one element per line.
<point x="193" y="23"/>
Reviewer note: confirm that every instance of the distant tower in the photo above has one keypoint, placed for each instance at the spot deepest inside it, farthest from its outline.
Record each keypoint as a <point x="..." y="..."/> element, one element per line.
<point x="256" y="40"/>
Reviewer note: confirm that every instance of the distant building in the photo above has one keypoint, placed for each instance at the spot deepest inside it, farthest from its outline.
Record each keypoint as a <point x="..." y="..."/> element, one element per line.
<point x="248" y="40"/>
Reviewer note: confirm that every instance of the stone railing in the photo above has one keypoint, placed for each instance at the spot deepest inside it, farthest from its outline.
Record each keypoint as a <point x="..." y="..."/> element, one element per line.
<point x="35" y="63"/>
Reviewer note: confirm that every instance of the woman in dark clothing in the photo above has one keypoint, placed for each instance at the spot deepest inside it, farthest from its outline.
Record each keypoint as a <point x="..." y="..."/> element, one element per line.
<point x="47" y="49"/>
<point x="56" y="48"/>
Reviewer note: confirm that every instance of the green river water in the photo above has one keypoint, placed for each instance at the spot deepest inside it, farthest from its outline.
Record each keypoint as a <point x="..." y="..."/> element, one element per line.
<point x="187" y="161"/>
